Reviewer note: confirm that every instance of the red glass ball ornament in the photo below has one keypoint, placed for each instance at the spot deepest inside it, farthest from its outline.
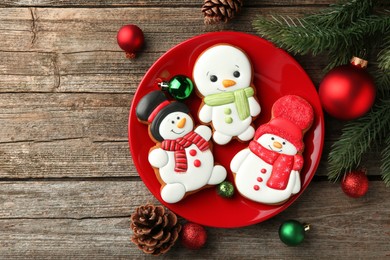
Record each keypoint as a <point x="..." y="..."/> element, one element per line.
<point x="348" y="91"/>
<point x="355" y="184"/>
<point x="193" y="236"/>
<point x="131" y="39"/>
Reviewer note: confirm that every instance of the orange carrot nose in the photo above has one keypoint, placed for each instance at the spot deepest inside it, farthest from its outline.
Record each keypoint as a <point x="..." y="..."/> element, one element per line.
<point x="277" y="145"/>
<point x="181" y="123"/>
<point x="228" y="83"/>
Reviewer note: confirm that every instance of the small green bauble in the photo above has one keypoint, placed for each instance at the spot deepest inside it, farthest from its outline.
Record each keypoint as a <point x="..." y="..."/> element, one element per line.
<point x="292" y="232"/>
<point x="225" y="189"/>
<point x="179" y="87"/>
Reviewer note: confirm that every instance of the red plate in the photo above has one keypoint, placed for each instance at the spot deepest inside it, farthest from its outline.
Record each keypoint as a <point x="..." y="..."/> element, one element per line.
<point x="276" y="74"/>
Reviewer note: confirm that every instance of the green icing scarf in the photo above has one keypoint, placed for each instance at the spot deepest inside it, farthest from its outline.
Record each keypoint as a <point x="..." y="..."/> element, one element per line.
<point x="238" y="97"/>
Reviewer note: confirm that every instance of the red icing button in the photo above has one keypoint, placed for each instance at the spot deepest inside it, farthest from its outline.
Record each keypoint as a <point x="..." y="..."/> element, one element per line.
<point x="197" y="163"/>
<point x="259" y="179"/>
<point x="263" y="170"/>
<point x="192" y="152"/>
<point x="256" y="187"/>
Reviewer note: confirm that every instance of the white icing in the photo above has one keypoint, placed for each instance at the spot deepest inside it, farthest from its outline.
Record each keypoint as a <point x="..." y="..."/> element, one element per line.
<point x="204" y="132"/>
<point x="223" y="61"/>
<point x="277" y="144"/>
<point x="195" y="177"/>
<point x="172" y="126"/>
<point x="205" y="114"/>
<point x="248" y="167"/>
<point x="254" y="107"/>
<point x="158" y="158"/>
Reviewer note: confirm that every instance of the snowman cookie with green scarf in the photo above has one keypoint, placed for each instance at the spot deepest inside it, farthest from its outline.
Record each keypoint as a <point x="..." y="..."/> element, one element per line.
<point x="223" y="75"/>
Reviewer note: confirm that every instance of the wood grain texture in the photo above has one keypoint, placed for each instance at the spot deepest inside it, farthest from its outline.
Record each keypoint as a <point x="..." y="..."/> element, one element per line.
<point x="67" y="181"/>
<point x="87" y="219"/>
<point x="152" y="3"/>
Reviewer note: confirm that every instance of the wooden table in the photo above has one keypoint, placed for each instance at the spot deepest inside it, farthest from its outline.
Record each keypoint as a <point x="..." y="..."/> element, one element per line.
<point x="68" y="184"/>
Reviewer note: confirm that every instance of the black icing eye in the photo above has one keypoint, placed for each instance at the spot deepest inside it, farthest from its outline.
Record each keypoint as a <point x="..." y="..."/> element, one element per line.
<point x="272" y="138"/>
<point x="172" y="122"/>
<point x="236" y="74"/>
<point x="284" y="143"/>
<point x="213" y="78"/>
<point x="178" y="117"/>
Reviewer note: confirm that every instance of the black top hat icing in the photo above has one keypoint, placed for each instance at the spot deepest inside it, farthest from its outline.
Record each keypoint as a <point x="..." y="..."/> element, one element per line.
<point x="154" y="107"/>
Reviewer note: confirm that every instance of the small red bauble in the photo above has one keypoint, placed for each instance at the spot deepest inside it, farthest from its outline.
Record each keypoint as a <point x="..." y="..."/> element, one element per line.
<point x="193" y="236"/>
<point x="348" y="91"/>
<point x="131" y="39"/>
<point x="355" y="184"/>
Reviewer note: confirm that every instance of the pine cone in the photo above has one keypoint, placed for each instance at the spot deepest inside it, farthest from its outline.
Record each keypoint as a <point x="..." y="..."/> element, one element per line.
<point x="220" y="10"/>
<point x="155" y="230"/>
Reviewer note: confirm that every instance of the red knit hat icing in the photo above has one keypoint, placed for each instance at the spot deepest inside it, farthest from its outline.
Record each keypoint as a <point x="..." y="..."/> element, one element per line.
<point x="292" y="116"/>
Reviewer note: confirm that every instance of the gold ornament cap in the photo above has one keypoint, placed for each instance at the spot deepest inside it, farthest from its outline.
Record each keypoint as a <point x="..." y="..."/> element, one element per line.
<point x="356" y="61"/>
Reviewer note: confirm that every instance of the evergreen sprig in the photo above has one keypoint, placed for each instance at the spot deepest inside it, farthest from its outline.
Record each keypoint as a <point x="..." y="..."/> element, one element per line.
<point x="301" y="36"/>
<point x="341" y="14"/>
<point x="357" y="137"/>
<point x="385" y="167"/>
<point x="349" y="28"/>
<point x="384" y="54"/>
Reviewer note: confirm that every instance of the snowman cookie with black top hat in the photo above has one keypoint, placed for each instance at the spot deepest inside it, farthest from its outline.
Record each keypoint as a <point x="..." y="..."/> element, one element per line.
<point x="182" y="158"/>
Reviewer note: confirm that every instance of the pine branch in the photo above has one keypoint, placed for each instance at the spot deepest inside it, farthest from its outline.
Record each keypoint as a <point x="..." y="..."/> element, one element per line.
<point x="301" y="36"/>
<point x="382" y="82"/>
<point x="385" y="167"/>
<point x="342" y="14"/>
<point x="357" y="138"/>
<point x="384" y="54"/>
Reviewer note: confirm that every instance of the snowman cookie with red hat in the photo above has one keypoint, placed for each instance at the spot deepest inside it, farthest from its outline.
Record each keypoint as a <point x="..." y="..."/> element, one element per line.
<point x="268" y="171"/>
<point x="182" y="158"/>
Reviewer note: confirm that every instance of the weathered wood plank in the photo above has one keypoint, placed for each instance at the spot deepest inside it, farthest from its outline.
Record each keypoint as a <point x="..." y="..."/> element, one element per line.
<point x="92" y="72"/>
<point x="142" y="3"/>
<point x="84" y="135"/>
<point x="94" y="29"/>
<point x="90" y="220"/>
<point x="76" y="158"/>
<point x="45" y="117"/>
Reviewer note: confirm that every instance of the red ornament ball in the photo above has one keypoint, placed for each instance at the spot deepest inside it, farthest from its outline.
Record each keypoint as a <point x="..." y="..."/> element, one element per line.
<point x="347" y="92"/>
<point x="193" y="236"/>
<point x="355" y="184"/>
<point x="131" y="39"/>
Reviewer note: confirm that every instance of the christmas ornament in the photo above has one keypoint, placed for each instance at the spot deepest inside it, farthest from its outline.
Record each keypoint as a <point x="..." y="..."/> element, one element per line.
<point x="179" y="87"/>
<point x="131" y="39"/>
<point x="292" y="232"/>
<point x="193" y="236"/>
<point x="220" y="10"/>
<point x="155" y="229"/>
<point x="225" y="189"/>
<point x="355" y="184"/>
<point x="348" y="91"/>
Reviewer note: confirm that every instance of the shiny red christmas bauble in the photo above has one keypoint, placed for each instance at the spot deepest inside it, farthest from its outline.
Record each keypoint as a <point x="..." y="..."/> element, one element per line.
<point x="348" y="91"/>
<point x="193" y="236"/>
<point x="131" y="39"/>
<point x="355" y="184"/>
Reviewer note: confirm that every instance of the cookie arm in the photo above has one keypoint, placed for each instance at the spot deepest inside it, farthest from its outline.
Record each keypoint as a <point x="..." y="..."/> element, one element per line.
<point x="238" y="159"/>
<point x="158" y="158"/>
<point x="203" y="131"/>
<point x="205" y="113"/>
<point x="254" y="106"/>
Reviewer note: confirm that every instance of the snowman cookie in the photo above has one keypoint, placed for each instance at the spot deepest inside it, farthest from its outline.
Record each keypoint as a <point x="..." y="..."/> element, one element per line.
<point x="182" y="158"/>
<point x="268" y="170"/>
<point x="223" y="77"/>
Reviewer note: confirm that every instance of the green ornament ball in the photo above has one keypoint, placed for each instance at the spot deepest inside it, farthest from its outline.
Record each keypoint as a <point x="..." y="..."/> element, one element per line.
<point x="179" y="87"/>
<point x="225" y="189"/>
<point x="292" y="232"/>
